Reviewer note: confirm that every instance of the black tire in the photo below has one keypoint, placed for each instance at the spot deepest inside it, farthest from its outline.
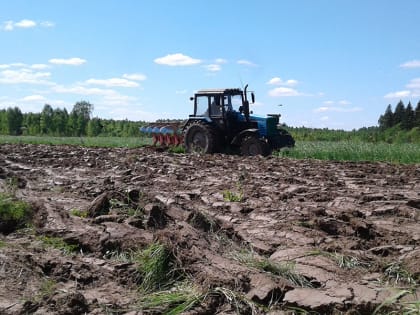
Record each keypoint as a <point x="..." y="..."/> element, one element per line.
<point x="200" y="138"/>
<point x="252" y="146"/>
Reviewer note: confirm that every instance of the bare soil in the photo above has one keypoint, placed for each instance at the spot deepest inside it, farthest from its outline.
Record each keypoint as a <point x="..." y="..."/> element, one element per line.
<point x="306" y="212"/>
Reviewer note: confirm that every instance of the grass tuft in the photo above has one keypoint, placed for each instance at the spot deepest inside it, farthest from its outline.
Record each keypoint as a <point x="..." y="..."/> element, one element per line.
<point x="155" y="266"/>
<point x="283" y="270"/>
<point x="343" y="261"/>
<point x="13" y="213"/>
<point x="232" y="197"/>
<point x="397" y="274"/>
<point x="58" y="243"/>
<point x="176" y="300"/>
<point x="79" y="213"/>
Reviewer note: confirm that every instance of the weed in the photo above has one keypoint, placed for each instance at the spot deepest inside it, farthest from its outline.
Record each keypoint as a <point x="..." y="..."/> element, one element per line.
<point x="283" y="270"/>
<point x="125" y="257"/>
<point x="241" y="304"/>
<point x="46" y="290"/>
<point x="232" y="197"/>
<point x="155" y="266"/>
<point x="300" y="311"/>
<point x="58" y="243"/>
<point x="343" y="261"/>
<point x="392" y="304"/>
<point x="176" y="300"/>
<point x="176" y="149"/>
<point x="13" y="213"/>
<point x="397" y="274"/>
<point x="79" y="213"/>
<point x="2" y="244"/>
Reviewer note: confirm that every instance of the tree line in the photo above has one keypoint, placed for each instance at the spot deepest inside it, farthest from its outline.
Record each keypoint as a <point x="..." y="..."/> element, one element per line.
<point x="403" y="116"/>
<point x="59" y="122"/>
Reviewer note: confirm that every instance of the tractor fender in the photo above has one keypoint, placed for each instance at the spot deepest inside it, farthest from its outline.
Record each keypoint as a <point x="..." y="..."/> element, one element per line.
<point x="245" y="133"/>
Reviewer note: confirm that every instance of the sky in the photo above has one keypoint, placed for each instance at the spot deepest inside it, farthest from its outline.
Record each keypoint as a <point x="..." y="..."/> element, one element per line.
<point x="319" y="63"/>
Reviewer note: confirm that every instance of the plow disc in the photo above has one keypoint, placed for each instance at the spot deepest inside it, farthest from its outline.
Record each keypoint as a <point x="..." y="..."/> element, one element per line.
<point x="164" y="134"/>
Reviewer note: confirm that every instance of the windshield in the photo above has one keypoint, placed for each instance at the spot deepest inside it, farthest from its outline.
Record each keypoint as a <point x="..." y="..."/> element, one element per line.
<point x="232" y="102"/>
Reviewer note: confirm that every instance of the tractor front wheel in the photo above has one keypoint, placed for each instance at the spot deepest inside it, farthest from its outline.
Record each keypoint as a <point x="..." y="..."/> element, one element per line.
<point x="200" y="138"/>
<point x="252" y="146"/>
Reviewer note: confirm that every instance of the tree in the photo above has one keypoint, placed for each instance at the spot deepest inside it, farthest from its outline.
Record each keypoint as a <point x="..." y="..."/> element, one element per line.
<point x="94" y="127"/>
<point x="79" y="118"/>
<point x="417" y="115"/>
<point x="14" y="120"/>
<point x="387" y="120"/>
<point x="399" y="113"/>
<point x="409" y="118"/>
<point x="46" y="119"/>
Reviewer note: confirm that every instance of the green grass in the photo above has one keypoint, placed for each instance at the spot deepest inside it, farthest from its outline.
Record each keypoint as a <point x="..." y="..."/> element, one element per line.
<point x="155" y="267"/>
<point x="283" y="270"/>
<point x="58" y="243"/>
<point x="343" y="261"/>
<point x="406" y="153"/>
<point x="131" y="142"/>
<point x="79" y="213"/>
<point x="396" y="273"/>
<point x="14" y="213"/>
<point x="173" y="301"/>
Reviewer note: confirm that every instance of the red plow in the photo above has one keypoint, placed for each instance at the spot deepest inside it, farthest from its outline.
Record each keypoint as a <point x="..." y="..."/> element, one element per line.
<point x="164" y="134"/>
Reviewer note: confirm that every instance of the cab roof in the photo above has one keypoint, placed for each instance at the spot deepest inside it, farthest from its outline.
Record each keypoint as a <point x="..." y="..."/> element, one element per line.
<point x="235" y="91"/>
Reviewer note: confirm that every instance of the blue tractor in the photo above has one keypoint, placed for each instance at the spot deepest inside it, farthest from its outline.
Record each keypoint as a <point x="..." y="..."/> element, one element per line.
<point x="222" y="120"/>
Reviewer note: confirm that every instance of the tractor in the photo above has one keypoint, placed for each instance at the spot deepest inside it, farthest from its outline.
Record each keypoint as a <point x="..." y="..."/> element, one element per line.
<point x="223" y="121"/>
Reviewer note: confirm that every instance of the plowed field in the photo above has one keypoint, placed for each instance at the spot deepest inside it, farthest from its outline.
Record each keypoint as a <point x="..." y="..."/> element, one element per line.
<point x="261" y="235"/>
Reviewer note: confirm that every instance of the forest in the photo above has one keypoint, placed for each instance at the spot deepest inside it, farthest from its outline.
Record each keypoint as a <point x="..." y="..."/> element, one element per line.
<point x="401" y="125"/>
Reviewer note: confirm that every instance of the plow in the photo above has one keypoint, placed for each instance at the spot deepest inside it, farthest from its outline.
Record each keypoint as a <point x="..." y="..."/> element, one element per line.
<point x="164" y="134"/>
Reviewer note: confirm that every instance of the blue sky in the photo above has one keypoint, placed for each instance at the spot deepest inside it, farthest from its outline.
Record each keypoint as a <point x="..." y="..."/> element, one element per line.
<point x="329" y="63"/>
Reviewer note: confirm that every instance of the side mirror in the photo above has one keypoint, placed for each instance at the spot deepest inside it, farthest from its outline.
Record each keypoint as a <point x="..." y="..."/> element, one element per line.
<point x="253" y="97"/>
<point x="192" y="98"/>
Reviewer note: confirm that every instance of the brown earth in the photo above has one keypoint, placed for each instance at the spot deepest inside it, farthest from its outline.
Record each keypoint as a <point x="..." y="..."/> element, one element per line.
<point x="306" y="212"/>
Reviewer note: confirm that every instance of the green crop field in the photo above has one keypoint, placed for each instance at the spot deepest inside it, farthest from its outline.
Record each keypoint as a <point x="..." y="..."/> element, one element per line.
<point x="127" y="142"/>
<point x="406" y="153"/>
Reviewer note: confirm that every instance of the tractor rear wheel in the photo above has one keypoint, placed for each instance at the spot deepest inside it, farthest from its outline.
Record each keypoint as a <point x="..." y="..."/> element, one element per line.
<point x="200" y="138"/>
<point x="252" y="146"/>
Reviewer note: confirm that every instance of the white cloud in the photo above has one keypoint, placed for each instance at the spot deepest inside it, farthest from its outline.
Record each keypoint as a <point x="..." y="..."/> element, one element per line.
<point x="213" y="67"/>
<point x="69" y="61"/>
<point x="8" y="26"/>
<point x="34" y="98"/>
<point x="177" y="60"/>
<point x="39" y="66"/>
<point x="279" y="81"/>
<point x="113" y="82"/>
<point x="118" y="99"/>
<point x="246" y="63"/>
<point x="275" y="81"/>
<point x="324" y="118"/>
<point x="82" y="90"/>
<point x="324" y="109"/>
<point x="24" y="76"/>
<point x="181" y="92"/>
<point x="344" y="102"/>
<point x="398" y="94"/>
<point x="220" y="61"/>
<point x="135" y="76"/>
<point x="25" y="24"/>
<point x="47" y="24"/>
<point x="283" y="91"/>
<point x="414" y="84"/>
<point x="411" y="64"/>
